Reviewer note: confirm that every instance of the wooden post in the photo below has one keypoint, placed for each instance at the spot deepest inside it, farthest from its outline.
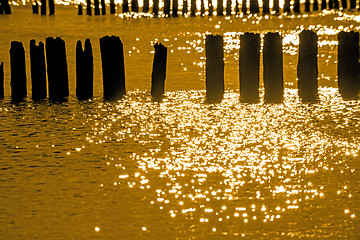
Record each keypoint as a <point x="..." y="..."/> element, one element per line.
<point x="348" y="65"/>
<point x="352" y="4"/>
<point x="211" y="7"/>
<point x="167" y="8"/>
<point x="38" y="71"/>
<point x="1" y="80"/>
<point x="228" y="7"/>
<point x="307" y="69"/>
<point x="175" y="8"/>
<point x="273" y="68"/>
<point x="336" y="4"/>
<point x="276" y="7"/>
<point x="158" y="75"/>
<point x="331" y="4"/>
<point x="112" y="57"/>
<point x="125" y="6"/>
<point x="344" y="4"/>
<point x="84" y="70"/>
<point x="35" y="7"/>
<point x="287" y="6"/>
<point x="254" y="6"/>
<point x="97" y="8"/>
<point x="244" y="7"/>
<point x="193" y="8"/>
<point x="214" y="50"/>
<point x="43" y="7"/>
<point x="18" y="71"/>
<point x="237" y="10"/>
<point x="249" y="63"/>
<point x="146" y="6"/>
<point x="88" y="8"/>
<point x="323" y="4"/>
<point x="156" y="7"/>
<point x="296" y="6"/>
<point x="315" y="5"/>
<point x="57" y="69"/>
<point x="1" y="8"/>
<point x="135" y="6"/>
<point x="266" y="6"/>
<point x="80" y="10"/>
<point x="220" y="8"/>
<point x="51" y="7"/>
<point x="307" y="5"/>
<point x="185" y="7"/>
<point x="103" y="7"/>
<point x="5" y="7"/>
<point x="202" y="8"/>
<point x="112" y="6"/>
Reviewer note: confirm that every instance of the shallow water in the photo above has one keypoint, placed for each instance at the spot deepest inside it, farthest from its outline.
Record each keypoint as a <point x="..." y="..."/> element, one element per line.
<point x="137" y="169"/>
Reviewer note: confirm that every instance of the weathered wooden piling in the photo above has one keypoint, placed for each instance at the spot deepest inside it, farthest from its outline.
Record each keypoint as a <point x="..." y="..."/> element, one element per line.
<point x="125" y="6"/>
<point x="38" y="71"/>
<point x="307" y="68"/>
<point x="80" y="9"/>
<point x="112" y="6"/>
<point x="254" y="6"/>
<point x="51" y="7"/>
<point x="276" y="7"/>
<point x="315" y="5"/>
<point x="249" y="62"/>
<point x="344" y="4"/>
<point x="193" y="8"/>
<point x="158" y="75"/>
<point x="287" y="6"/>
<point x="348" y="65"/>
<point x="112" y="57"/>
<point x="146" y="5"/>
<point x="35" y="7"/>
<point x="220" y="8"/>
<point x="1" y="80"/>
<point x="18" y="71"/>
<point x="296" y="7"/>
<point x="5" y="7"/>
<point x="307" y="5"/>
<point x="228" y="7"/>
<point x="84" y="70"/>
<point x="237" y="10"/>
<point x="266" y="6"/>
<point x="43" y="7"/>
<point x="323" y="4"/>
<point x="156" y="7"/>
<point x="243" y="7"/>
<point x="352" y="4"/>
<point x="185" y="7"/>
<point x="202" y="8"/>
<point x="167" y="7"/>
<point x="135" y="6"/>
<point x="57" y="69"/>
<point x="210" y="7"/>
<point x="103" y="7"/>
<point x="273" y="68"/>
<point x="214" y="51"/>
<point x="175" y="8"/>
<point x="88" y="8"/>
<point x="96" y="7"/>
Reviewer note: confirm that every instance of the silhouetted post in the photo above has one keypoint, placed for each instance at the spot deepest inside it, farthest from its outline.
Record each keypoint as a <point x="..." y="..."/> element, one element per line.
<point x="266" y="6"/>
<point x="323" y="4"/>
<point x="125" y="6"/>
<point x="175" y="8"/>
<point x="276" y="6"/>
<point x="273" y="68"/>
<point x="211" y="8"/>
<point x="287" y="6"/>
<point x="296" y="6"/>
<point x="307" y="69"/>
<point x="214" y="51"/>
<point x="254" y="6"/>
<point x="112" y="57"/>
<point x="344" y="4"/>
<point x="336" y="4"/>
<point x="331" y="4"/>
<point x="193" y="8"/>
<point x="97" y="8"/>
<point x="18" y="71"/>
<point x="307" y="5"/>
<point x="88" y="8"/>
<point x="156" y="7"/>
<point x="103" y="7"/>
<point x="51" y="7"/>
<point x="352" y="4"/>
<point x="243" y="7"/>
<point x="112" y="6"/>
<point x="237" y="10"/>
<point x="315" y="5"/>
<point x="84" y="70"/>
<point x="43" y="7"/>
<point x="1" y="80"/>
<point x="35" y="7"/>
<point x="228" y="7"/>
<point x="202" y="8"/>
<point x="220" y="8"/>
<point x="80" y="10"/>
<point x="1" y="8"/>
<point x="5" y="7"/>
<point x="158" y="75"/>
<point x="348" y="64"/>
<point x="185" y="7"/>
<point x="146" y="6"/>
<point x="57" y="69"/>
<point x="38" y="70"/>
<point x="249" y="62"/>
<point x="135" y="6"/>
<point x="167" y="7"/>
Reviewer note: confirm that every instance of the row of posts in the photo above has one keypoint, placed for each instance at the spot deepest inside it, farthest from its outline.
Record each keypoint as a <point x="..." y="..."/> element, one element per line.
<point x="43" y="6"/>
<point x="113" y="67"/>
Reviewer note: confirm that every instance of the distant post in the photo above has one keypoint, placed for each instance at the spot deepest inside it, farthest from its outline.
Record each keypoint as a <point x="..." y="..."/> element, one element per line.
<point x="344" y="4"/>
<point x="35" y="7"/>
<point x="135" y="6"/>
<point x="352" y="4"/>
<point x="273" y="68"/>
<point x="214" y="50"/>
<point x="57" y="69"/>
<point x="336" y="4"/>
<point x="158" y="75"/>
<point x="237" y="10"/>
<point x="88" y="8"/>
<point x="156" y="7"/>
<point x="266" y="6"/>
<point x="5" y="7"/>
<point x="51" y="7"/>
<point x="103" y="7"/>
<point x="38" y="71"/>
<point x="193" y="8"/>
<point x="307" y="69"/>
<point x="254" y="6"/>
<point x="80" y="10"/>
<point x="43" y="7"/>
<point x="112" y="6"/>
<point x="243" y="7"/>
<point x="331" y="4"/>
<point x="18" y="71"/>
<point x="315" y="5"/>
<point x="185" y="7"/>
<point x="146" y="6"/>
<point x="167" y="7"/>
<point x="202" y="8"/>
<point x="211" y="7"/>
<point x="228" y="7"/>
<point x="276" y="6"/>
<point x="323" y="4"/>
<point x="97" y="8"/>
<point x="112" y="58"/>
<point x="249" y="63"/>
<point x="307" y="5"/>
<point x="175" y="8"/>
<point x="1" y="80"/>
<point x="287" y="6"/>
<point x="220" y="8"/>
<point x="84" y="70"/>
<point x="296" y="6"/>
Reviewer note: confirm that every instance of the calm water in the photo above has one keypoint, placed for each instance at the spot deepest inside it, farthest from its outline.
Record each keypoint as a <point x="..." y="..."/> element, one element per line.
<point x="136" y="169"/>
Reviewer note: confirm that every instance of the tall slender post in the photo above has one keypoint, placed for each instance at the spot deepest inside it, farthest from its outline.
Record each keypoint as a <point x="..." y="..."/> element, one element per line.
<point x="175" y="8"/>
<point x="344" y="4"/>
<point x="266" y="6"/>
<point x="276" y="7"/>
<point x="88" y="8"/>
<point x="352" y="4"/>
<point x="296" y="6"/>
<point x="273" y="68"/>
<point x="80" y="9"/>
<point x="18" y="71"/>
<point x="146" y="6"/>
<point x="214" y="50"/>
<point x="43" y="7"/>
<point x="5" y="7"/>
<point x="287" y="6"/>
<point x="336" y="4"/>
<point x="307" y="5"/>
<point x="158" y="75"/>
<point x="228" y="7"/>
<point x="38" y="71"/>
<point x="211" y="7"/>
<point x="254" y="6"/>
<point x="307" y="69"/>
<point x="315" y="5"/>
<point x="243" y="7"/>
<point x="51" y="7"/>
<point x="202" y="8"/>
<point x="249" y="63"/>
<point x="113" y="67"/>
<point x="103" y="7"/>
<point x="237" y="10"/>
<point x="156" y="7"/>
<point x="323" y="4"/>
<point x="1" y="80"/>
<point x="35" y="7"/>
<point x="84" y="70"/>
<point x="135" y="6"/>
<point x="220" y="8"/>
<point x="167" y="7"/>
<point x="193" y="8"/>
<point x="97" y="8"/>
<point x="331" y="4"/>
<point x="112" y="6"/>
<point x="57" y="69"/>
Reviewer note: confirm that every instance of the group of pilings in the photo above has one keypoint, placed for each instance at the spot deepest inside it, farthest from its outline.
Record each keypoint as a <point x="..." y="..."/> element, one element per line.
<point x="171" y="8"/>
<point x="5" y="7"/>
<point x="43" y="7"/>
<point x="113" y="68"/>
